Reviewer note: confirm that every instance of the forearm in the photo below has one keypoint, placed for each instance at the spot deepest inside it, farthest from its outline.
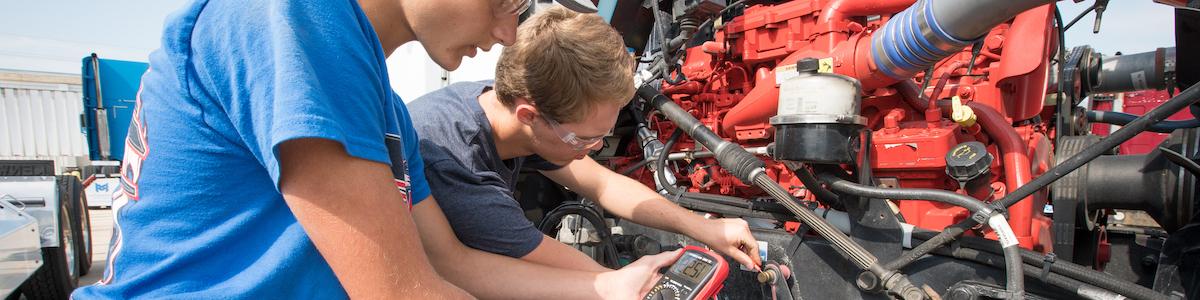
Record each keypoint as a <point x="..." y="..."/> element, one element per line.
<point x="492" y="276"/>
<point x="488" y="275"/>
<point x="357" y="222"/>
<point x="633" y="201"/>
<point x="553" y="253"/>
<point x="366" y="261"/>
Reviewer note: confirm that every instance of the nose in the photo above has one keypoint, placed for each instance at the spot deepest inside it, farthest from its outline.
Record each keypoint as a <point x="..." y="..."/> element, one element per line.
<point x="505" y="31"/>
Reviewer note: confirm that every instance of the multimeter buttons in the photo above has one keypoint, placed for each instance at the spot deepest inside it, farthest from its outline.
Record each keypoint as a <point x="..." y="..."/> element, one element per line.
<point x="697" y="274"/>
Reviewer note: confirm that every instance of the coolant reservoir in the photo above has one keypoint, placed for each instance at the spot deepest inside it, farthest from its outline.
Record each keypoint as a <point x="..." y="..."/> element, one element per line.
<point x="818" y="120"/>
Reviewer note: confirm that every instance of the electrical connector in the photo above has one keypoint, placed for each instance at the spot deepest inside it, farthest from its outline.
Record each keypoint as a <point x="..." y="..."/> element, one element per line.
<point x="961" y="114"/>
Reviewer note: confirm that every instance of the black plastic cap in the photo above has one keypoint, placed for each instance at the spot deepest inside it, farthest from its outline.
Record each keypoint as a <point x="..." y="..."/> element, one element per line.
<point x="808" y="65"/>
<point x="967" y="161"/>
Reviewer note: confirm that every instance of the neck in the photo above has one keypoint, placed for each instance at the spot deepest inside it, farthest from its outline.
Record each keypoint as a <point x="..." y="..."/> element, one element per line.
<point x="391" y="25"/>
<point x="507" y="131"/>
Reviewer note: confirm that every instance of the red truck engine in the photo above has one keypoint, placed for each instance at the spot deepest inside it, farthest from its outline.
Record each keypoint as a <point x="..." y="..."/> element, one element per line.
<point x="905" y="149"/>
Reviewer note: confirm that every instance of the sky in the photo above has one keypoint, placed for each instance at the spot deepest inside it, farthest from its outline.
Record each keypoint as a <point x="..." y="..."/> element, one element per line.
<point x="53" y="35"/>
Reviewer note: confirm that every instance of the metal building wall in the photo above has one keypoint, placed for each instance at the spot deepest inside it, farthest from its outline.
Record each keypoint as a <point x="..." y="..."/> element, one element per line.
<point x="39" y="119"/>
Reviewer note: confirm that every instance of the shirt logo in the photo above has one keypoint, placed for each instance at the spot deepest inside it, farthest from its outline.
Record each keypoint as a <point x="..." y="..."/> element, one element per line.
<point x="395" y="146"/>
<point x="403" y="186"/>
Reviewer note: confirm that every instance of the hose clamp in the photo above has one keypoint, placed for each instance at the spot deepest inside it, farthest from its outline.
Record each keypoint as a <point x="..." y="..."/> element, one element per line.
<point x="1046" y="262"/>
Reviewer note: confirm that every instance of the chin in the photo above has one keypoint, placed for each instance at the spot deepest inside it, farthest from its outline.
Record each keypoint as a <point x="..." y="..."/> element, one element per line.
<point x="448" y="63"/>
<point x="561" y="162"/>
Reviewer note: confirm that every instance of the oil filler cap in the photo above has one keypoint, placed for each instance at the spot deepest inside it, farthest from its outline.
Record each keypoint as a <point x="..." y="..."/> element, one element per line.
<point x="968" y="161"/>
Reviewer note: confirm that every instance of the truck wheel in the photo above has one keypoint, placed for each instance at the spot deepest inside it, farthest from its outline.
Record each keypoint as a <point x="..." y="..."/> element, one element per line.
<point x="83" y="227"/>
<point x="57" y="277"/>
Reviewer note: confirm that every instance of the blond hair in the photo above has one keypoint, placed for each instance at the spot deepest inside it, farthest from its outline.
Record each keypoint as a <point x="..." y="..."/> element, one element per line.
<point x="566" y="63"/>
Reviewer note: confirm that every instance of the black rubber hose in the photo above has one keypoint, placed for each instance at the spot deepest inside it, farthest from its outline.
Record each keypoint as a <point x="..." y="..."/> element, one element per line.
<point x="607" y="247"/>
<point x="761" y="206"/>
<point x="661" y="172"/>
<point x="691" y="201"/>
<point x="1093" y="277"/>
<point x="1015" y="283"/>
<point x="1063" y="274"/>
<point x="1119" y="118"/>
<point x="806" y="177"/>
<point x="634" y="167"/>
<point x="947" y="235"/>
<point x="1014" y="271"/>
<point x="1055" y="279"/>
<point x="964" y="201"/>
<point x="1066" y="268"/>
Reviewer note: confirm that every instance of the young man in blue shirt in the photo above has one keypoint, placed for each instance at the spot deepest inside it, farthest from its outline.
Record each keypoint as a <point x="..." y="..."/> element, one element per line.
<point x="557" y="93"/>
<point x="268" y="158"/>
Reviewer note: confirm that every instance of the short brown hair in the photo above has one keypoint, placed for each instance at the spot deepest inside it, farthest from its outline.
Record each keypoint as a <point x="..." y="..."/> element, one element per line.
<point x="566" y="63"/>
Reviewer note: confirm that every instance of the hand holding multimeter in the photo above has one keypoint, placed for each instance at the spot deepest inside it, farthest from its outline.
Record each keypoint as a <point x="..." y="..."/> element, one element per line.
<point x="697" y="274"/>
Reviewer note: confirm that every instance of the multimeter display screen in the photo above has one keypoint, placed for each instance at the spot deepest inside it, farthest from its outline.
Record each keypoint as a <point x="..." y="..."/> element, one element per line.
<point x="692" y="267"/>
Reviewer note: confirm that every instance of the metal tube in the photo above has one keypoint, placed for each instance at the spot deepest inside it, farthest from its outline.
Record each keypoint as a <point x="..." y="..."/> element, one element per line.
<point x="706" y="154"/>
<point x="970" y="20"/>
<point x="1135" y="72"/>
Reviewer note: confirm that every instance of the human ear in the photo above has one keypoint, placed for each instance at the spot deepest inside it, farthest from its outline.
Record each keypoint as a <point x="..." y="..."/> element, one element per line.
<point x="526" y="113"/>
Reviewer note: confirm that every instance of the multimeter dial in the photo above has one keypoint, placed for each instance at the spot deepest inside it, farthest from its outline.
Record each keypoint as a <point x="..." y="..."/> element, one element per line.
<point x="665" y="293"/>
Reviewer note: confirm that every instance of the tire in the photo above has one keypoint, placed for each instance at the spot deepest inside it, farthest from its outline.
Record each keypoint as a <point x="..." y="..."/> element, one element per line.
<point x="83" y="224"/>
<point x="56" y="279"/>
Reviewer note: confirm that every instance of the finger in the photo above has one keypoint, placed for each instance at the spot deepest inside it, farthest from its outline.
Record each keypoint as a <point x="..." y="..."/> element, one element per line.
<point x="741" y="258"/>
<point x="751" y="249"/>
<point x="662" y="260"/>
<point x="649" y="284"/>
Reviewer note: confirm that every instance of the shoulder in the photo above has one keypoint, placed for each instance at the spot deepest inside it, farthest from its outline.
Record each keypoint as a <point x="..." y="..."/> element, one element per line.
<point x="446" y="115"/>
<point x="452" y="99"/>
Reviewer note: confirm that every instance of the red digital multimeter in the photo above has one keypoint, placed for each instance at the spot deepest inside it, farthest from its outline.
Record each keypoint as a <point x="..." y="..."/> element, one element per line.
<point x="697" y="274"/>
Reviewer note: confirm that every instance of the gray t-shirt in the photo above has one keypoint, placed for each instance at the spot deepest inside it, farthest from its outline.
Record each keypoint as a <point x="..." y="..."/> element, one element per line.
<point x="471" y="183"/>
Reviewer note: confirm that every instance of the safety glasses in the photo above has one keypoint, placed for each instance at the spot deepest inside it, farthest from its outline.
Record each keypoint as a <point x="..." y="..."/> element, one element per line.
<point x="570" y="137"/>
<point x="510" y="7"/>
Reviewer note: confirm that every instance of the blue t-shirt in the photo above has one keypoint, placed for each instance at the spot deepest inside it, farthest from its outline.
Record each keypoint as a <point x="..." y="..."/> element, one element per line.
<point x="200" y="215"/>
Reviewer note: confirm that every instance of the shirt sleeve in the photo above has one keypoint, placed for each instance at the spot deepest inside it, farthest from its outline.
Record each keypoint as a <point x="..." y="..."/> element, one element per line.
<point x="418" y="185"/>
<point x="480" y="210"/>
<point x="306" y="69"/>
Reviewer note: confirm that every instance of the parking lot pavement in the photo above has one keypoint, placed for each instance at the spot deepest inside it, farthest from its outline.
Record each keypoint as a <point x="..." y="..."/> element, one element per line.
<point x="102" y="224"/>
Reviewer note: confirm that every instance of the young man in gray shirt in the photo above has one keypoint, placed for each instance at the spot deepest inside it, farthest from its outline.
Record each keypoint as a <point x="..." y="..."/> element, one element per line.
<point x="557" y="93"/>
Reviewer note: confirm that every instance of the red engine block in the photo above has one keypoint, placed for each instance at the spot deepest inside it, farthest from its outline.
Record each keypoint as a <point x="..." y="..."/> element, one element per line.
<point x="732" y="89"/>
